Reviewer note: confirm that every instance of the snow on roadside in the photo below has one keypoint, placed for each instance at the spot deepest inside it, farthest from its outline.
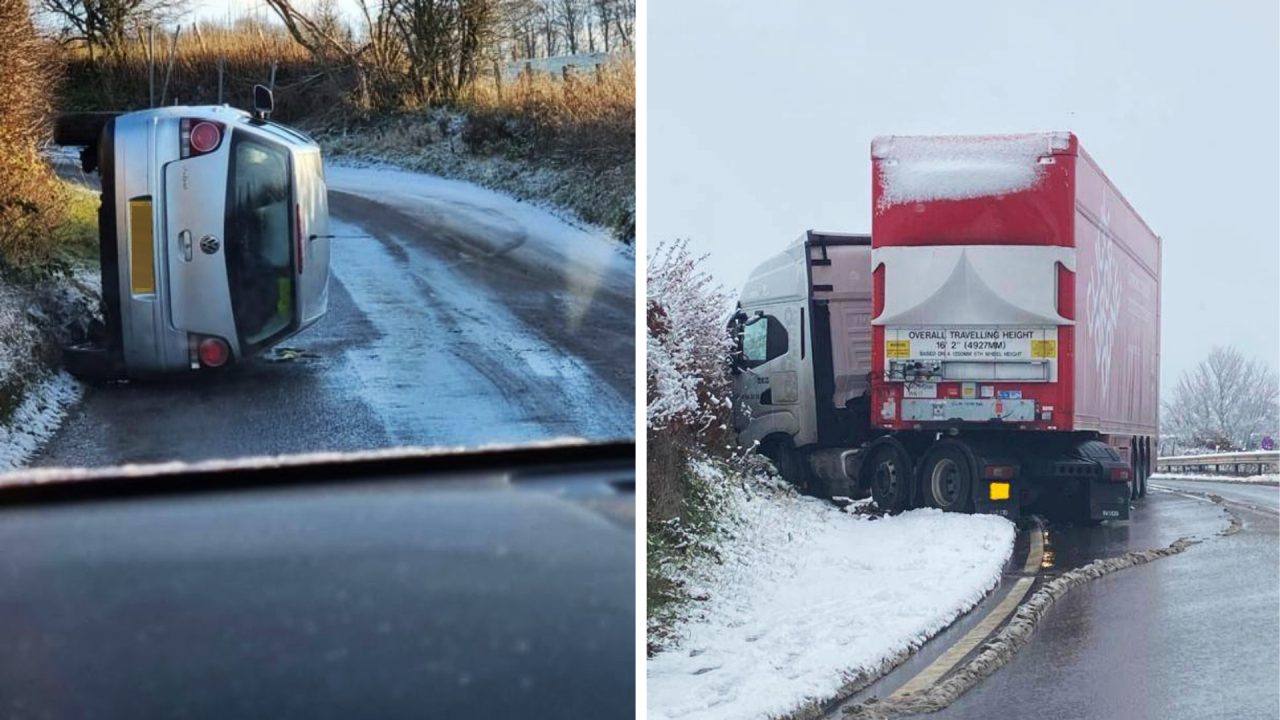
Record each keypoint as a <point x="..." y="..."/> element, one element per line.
<point x="805" y="596"/>
<point x="1269" y="479"/>
<point x="37" y="417"/>
<point x="33" y="399"/>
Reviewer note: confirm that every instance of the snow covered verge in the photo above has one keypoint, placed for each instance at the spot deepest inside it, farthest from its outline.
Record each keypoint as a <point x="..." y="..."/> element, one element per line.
<point x="792" y="597"/>
<point x="1269" y="479"/>
<point x="435" y="142"/>
<point x="35" y="320"/>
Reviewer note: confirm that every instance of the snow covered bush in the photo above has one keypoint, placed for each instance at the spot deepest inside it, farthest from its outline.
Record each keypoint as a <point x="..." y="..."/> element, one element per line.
<point x="688" y="419"/>
<point x="687" y="386"/>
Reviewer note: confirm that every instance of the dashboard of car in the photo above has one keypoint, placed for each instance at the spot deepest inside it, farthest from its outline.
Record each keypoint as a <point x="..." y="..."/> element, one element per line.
<point x="477" y="585"/>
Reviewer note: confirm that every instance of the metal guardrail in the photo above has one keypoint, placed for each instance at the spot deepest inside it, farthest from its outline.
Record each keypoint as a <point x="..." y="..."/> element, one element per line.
<point x="1235" y="463"/>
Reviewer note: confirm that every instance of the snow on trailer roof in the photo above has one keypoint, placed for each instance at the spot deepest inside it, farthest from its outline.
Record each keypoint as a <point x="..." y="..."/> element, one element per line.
<point x="959" y="167"/>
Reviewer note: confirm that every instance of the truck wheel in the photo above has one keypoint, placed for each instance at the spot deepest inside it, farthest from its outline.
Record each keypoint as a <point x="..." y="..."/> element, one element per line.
<point x="789" y="464"/>
<point x="890" y="479"/>
<point x="947" y="477"/>
<point x="1146" y="470"/>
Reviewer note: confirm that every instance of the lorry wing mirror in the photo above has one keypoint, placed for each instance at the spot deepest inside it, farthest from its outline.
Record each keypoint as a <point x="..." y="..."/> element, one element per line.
<point x="263" y="102"/>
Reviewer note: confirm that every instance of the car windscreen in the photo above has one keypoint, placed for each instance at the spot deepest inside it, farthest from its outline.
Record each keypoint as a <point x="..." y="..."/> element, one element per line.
<point x="259" y="247"/>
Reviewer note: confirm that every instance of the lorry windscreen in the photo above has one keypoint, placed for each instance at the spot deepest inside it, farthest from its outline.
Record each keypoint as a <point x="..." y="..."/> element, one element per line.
<point x="259" y="248"/>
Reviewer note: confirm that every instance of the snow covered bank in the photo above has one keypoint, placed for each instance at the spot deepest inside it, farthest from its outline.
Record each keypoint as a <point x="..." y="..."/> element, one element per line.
<point x="33" y="322"/>
<point x="805" y="596"/>
<point x="1270" y="479"/>
<point x="36" y="418"/>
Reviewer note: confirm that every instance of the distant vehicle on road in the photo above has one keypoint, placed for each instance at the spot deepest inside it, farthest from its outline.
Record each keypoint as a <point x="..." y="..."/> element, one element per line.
<point x="992" y="345"/>
<point x="214" y="239"/>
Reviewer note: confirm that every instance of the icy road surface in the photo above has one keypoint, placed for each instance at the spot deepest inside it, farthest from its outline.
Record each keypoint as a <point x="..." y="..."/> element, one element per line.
<point x="466" y="317"/>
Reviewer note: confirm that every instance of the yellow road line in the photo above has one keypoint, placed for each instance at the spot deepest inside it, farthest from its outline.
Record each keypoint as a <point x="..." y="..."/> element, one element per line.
<point x="980" y="632"/>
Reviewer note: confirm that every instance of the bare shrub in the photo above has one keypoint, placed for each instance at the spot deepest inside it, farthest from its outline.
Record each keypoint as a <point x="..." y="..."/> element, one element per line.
<point x="29" y="194"/>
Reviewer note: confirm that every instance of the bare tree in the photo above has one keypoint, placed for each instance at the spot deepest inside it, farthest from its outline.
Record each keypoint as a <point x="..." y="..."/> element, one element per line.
<point x="1226" y="400"/>
<point x="604" y="16"/>
<point x="106" y="24"/>
<point x="569" y="17"/>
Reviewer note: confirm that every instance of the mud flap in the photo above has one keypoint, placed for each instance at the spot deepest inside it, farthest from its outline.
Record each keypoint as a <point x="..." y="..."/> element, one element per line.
<point x="1108" y="500"/>
<point x="982" y="502"/>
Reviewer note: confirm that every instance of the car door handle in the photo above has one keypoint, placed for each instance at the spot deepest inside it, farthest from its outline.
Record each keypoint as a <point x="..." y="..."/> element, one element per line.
<point x="184" y="241"/>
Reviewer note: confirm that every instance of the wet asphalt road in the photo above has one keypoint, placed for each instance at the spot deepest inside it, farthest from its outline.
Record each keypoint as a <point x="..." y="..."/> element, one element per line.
<point x="1194" y="635"/>
<point x="451" y="324"/>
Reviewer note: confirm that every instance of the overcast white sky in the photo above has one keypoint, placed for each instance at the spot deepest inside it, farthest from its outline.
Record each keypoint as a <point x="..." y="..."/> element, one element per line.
<point x="761" y="114"/>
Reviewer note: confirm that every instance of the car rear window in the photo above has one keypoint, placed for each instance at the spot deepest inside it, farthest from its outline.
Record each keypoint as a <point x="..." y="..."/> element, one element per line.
<point x="259" y="257"/>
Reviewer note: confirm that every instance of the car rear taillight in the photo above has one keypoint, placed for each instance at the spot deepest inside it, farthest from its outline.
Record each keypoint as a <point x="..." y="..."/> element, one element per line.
<point x="214" y="352"/>
<point x="1119" y="474"/>
<point x="199" y="137"/>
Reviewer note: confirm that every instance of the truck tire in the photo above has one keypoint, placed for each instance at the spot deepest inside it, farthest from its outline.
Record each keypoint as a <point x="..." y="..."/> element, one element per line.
<point x="947" y="477"/>
<point x="789" y="464"/>
<point x="1135" y="470"/>
<point x="891" y="478"/>
<point x="1146" y="469"/>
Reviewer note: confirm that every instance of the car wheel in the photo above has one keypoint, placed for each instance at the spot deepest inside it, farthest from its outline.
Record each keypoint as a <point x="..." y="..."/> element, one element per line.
<point x="91" y="363"/>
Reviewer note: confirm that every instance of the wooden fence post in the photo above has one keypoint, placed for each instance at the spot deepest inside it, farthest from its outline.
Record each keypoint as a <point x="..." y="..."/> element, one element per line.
<point x="151" y="65"/>
<point x="173" y="55"/>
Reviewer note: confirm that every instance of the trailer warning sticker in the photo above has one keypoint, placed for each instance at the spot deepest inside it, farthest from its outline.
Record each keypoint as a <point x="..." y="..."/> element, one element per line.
<point x="971" y="343"/>
<point x="1044" y="348"/>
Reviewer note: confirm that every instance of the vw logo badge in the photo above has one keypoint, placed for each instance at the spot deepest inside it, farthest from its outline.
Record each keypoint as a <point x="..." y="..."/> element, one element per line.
<point x="209" y="244"/>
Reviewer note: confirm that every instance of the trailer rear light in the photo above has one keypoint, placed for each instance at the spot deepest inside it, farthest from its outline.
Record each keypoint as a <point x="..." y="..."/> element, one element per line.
<point x="998" y="491"/>
<point x="1119" y="474"/>
<point x="214" y="352"/>
<point x="199" y="137"/>
<point x="999" y="472"/>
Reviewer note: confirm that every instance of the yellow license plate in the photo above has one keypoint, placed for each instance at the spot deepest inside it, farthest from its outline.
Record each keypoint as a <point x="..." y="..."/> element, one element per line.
<point x="142" y="247"/>
<point x="999" y="491"/>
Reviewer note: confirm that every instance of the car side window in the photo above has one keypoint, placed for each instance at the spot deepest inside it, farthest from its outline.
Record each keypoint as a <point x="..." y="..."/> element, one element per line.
<point x="763" y="339"/>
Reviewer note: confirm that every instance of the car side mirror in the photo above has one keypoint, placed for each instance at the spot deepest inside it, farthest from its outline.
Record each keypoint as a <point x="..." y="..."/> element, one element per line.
<point x="263" y="102"/>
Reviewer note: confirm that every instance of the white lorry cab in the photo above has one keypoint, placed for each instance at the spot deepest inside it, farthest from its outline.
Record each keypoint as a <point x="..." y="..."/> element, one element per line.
<point x="803" y="334"/>
<point x="214" y="236"/>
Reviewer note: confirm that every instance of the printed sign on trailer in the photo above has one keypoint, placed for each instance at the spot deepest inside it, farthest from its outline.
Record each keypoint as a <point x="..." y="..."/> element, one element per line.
<point x="971" y="343"/>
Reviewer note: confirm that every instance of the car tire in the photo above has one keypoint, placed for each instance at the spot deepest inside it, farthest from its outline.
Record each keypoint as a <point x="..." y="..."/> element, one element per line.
<point x="91" y="363"/>
<point x="891" y="478"/>
<point x="948" y="476"/>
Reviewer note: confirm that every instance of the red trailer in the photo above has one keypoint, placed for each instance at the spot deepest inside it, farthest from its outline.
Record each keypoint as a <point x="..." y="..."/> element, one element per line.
<point x="1015" y="324"/>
